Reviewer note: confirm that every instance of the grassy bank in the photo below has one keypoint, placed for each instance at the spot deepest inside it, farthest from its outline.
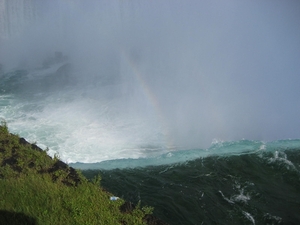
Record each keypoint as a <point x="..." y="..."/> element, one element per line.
<point x="38" y="189"/>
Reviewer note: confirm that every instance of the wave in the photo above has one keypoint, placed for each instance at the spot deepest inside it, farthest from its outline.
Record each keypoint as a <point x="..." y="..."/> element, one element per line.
<point x="256" y="187"/>
<point x="100" y="125"/>
<point x="218" y="148"/>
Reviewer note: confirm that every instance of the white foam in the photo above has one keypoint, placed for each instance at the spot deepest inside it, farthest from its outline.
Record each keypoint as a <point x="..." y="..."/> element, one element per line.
<point x="241" y="197"/>
<point x="84" y="129"/>
<point x="84" y="125"/>
<point x="281" y="157"/>
<point x="249" y="217"/>
<point x="225" y="198"/>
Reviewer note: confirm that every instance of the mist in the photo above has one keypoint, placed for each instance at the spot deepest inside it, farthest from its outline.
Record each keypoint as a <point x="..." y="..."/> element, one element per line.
<point x="202" y="70"/>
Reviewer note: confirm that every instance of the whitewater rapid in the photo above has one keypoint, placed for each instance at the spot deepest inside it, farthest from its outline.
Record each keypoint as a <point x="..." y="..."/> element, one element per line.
<point x="100" y="124"/>
<point x="80" y="124"/>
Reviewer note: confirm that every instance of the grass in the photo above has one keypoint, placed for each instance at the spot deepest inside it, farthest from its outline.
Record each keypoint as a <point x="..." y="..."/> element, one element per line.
<point x="37" y="189"/>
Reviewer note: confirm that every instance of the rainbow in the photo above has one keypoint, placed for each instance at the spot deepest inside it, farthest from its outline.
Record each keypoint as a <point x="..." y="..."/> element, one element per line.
<point x="150" y="95"/>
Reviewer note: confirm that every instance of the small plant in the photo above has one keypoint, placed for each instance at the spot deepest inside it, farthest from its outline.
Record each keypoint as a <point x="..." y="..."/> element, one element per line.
<point x="97" y="180"/>
<point x="56" y="156"/>
<point x="4" y="127"/>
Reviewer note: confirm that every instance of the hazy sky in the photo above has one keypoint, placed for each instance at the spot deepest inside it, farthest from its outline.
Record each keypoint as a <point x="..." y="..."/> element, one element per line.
<point x="217" y="69"/>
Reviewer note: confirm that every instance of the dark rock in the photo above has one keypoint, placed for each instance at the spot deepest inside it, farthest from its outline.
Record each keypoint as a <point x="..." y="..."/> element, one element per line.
<point x="72" y="178"/>
<point x="127" y="207"/>
<point x="13" y="163"/>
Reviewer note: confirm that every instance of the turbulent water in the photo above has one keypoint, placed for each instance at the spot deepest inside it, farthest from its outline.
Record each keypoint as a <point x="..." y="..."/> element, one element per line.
<point x="231" y="182"/>
<point x="236" y="182"/>
<point x="188" y="106"/>
<point x="86" y="123"/>
<point x="260" y="187"/>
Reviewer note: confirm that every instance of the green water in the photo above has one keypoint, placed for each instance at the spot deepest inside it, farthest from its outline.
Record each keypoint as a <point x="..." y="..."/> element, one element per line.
<point x="256" y="188"/>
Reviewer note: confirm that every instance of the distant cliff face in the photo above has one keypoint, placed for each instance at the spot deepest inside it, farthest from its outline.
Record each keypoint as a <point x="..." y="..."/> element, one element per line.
<point x="18" y="15"/>
<point x="15" y="15"/>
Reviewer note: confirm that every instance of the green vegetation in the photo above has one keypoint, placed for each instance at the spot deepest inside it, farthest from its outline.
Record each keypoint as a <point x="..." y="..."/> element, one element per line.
<point x="36" y="189"/>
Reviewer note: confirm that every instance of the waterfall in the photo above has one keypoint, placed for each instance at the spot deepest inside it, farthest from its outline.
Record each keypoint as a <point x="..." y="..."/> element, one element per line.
<point x="201" y="71"/>
<point x="15" y="16"/>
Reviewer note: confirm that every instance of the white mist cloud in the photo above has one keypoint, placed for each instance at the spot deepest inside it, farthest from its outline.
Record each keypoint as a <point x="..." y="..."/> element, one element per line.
<point x="226" y="70"/>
